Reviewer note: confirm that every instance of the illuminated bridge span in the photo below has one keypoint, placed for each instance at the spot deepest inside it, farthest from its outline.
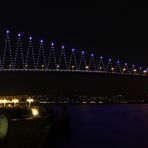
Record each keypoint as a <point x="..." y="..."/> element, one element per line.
<point x="17" y="55"/>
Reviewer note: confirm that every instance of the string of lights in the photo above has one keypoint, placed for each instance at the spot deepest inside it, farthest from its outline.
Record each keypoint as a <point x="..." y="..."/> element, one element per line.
<point x="7" y="61"/>
<point x="101" y="66"/>
<point x="72" y="62"/>
<point x="30" y="53"/>
<point x="82" y="63"/>
<point x="17" y="62"/>
<point x="41" y="62"/>
<point x="52" y="63"/>
<point x="92" y="64"/>
<point x="62" y="54"/>
<point x="47" y="59"/>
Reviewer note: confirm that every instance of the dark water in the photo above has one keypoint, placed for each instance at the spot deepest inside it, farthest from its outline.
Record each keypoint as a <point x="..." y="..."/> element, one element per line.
<point x="105" y="126"/>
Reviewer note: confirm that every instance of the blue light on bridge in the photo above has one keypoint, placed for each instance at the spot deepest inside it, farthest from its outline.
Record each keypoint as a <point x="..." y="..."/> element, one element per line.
<point x="83" y="52"/>
<point x="19" y="34"/>
<point x="7" y="31"/>
<point x="62" y="47"/>
<point x="73" y="50"/>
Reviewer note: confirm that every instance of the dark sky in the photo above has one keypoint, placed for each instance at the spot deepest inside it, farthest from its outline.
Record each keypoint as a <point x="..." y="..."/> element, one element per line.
<point x="117" y="30"/>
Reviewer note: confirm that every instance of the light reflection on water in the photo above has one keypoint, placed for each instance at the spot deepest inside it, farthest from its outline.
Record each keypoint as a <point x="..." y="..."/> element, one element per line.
<point x="104" y="126"/>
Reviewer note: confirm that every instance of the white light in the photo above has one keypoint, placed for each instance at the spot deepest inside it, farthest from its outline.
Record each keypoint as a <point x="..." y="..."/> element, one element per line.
<point x="124" y="69"/>
<point x="101" y="57"/>
<point x="30" y="38"/>
<point x="112" y="68"/>
<point x="41" y="41"/>
<point x="52" y="44"/>
<point x="135" y="70"/>
<point x="35" y="112"/>
<point x="144" y="71"/>
<point x="15" y="101"/>
<point x="7" y="31"/>
<point x="86" y="67"/>
<point x="62" y="47"/>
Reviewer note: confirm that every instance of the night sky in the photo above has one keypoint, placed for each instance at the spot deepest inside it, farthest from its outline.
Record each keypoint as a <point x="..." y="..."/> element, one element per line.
<point x="116" y="30"/>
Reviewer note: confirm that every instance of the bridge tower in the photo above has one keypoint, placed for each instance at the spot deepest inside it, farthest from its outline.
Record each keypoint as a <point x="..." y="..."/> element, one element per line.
<point x="101" y="66"/>
<point x="82" y="63"/>
<point x="52" y="61"/>
<point x="7" y="59"/>
<point x="118" y="67"/>
<point x="110" y="68"/>
<point x="19" y="62"/>
<point x="30" y="56"/>
<point x="92" y="63"/>
<point x="62" y="63"/>
<point x="73" y="61"/>
<point x="41" y="59"/>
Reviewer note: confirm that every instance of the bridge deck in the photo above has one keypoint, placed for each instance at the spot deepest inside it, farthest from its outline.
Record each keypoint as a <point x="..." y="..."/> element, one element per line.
<point x="68" y="70"/>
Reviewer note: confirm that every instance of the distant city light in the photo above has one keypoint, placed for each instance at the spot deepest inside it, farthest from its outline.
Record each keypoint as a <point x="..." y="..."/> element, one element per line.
<point x="30" y="38"/>
<point x="41" y="41"/>
<point x="101" y="57"/>
<point x="86" y="67"/>
<point x="112" y="68"/>
<point x="15" y="101"/>
<point x="62" y="47"/>
<point x="4" y="101"/>
<point x="52" y="44"/>
<point x="19" y="34"/>
<point x="92" y="55"/>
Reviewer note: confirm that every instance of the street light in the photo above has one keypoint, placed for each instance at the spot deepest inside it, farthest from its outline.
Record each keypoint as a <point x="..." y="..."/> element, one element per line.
<point x="15" y="101"/>
<point x="29" y="100"/>
<point x="4" y="101"/>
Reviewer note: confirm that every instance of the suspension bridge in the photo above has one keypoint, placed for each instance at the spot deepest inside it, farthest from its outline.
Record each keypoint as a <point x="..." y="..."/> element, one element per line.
<point x="20" y="54"/>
